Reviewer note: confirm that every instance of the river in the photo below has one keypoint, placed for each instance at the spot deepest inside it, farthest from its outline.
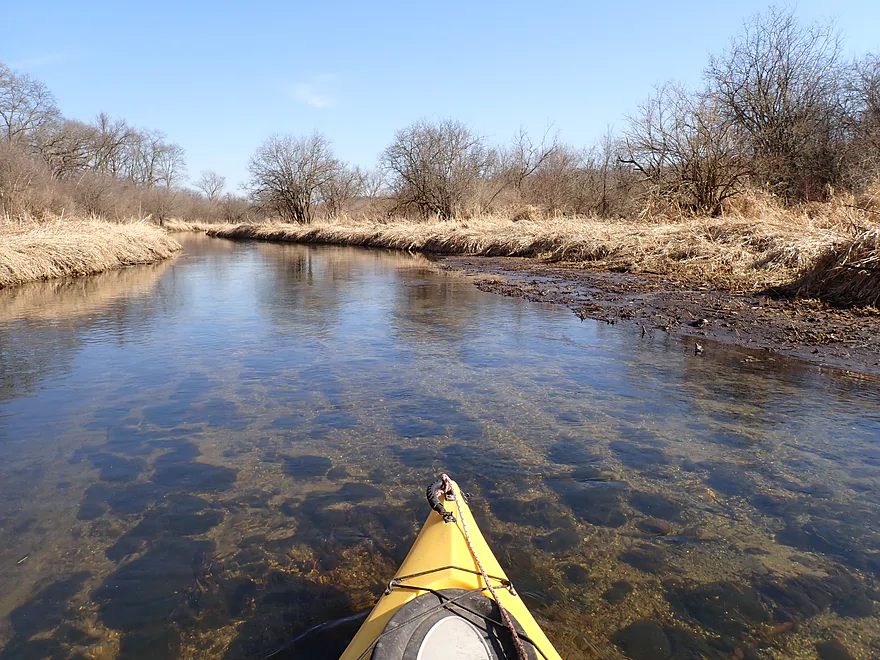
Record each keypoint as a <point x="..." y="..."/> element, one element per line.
<point x="208" y="457"/>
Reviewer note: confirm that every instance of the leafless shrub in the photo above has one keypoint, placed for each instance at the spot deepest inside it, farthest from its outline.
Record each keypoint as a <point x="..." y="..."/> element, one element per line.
<point x="235" y="208"/>
<point x="435" y="168"/>
<point x="559" y="185"/>
<point x="780" y="86"/>
<point x="287" y="174"/>
<point x="93" y="195"/>
<point x="25" y="183"/>
<point x="160" y="204"/>
<point x="686" y="150"/>
<point x="343" y="185"/>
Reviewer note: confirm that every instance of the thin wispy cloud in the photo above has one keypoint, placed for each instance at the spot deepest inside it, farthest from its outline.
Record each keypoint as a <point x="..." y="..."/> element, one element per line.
<point x="308" y="94"/>
<point x="316" y="91"/>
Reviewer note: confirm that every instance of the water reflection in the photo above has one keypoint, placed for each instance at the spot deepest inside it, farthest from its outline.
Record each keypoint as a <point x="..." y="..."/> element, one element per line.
<point x="217" y="456"/>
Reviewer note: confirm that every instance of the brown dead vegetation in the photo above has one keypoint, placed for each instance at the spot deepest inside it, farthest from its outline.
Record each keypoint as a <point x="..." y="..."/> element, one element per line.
<point x="828" y="250"/>
<point x="847" y="273"/>
<point x="38" y="251"/>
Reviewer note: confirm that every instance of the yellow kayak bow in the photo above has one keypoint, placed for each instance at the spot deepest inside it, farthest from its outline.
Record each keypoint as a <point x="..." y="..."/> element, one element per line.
<point x="440" y="604"/>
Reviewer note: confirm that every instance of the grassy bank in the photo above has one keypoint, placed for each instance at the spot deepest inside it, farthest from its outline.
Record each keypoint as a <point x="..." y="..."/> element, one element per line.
<point x="830" y="252"/>
<point x="39" y="251"/>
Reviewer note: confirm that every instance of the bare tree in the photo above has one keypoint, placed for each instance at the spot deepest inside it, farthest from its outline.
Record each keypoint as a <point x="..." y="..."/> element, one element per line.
<point x="26" y="105"/>
<point x="780" y="84"/>
<point x="211" y="184"/>
<point x="111" y="145"/>
<point x="171" y="166"/>
<point x="611" y="177"/>
<point x="340" y="188"/>
<point x="373" y="184"/>
<point x="686" y="150"/>
<point x="864" y="157"/>
<point x="287" y="174"/>
<point x="523" y="157"/>
<point x="142" y="156"/>
<point x="435" y="168"/>
<point x="67" y="146"/>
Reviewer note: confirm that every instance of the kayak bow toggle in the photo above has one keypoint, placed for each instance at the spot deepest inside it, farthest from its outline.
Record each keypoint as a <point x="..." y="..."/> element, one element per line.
<point x="437" y="492"/>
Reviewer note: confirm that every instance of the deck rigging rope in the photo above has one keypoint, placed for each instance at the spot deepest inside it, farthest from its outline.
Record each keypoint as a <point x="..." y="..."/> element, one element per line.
<point x="449" y="493"/>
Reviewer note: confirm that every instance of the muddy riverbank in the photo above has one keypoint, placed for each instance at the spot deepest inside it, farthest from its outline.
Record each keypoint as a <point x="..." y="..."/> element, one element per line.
<point x="810" y="330"/>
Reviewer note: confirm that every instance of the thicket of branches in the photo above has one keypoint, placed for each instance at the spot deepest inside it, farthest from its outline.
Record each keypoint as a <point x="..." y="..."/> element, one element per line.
<point x="292" y="176"/>
<point x="780" y="112"/>
<point x="50" y="164"/>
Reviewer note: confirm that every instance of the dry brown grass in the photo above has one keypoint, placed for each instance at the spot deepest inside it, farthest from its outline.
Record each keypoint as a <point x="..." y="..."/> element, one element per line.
<point x="847" y="273"/>
<point x="738" y="253"/>
<point x="175" y="225"/>
<point x="38" y="251"/>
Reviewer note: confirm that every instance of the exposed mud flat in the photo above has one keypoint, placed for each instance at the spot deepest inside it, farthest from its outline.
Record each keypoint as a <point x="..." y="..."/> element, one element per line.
<point x="810" y="330"/>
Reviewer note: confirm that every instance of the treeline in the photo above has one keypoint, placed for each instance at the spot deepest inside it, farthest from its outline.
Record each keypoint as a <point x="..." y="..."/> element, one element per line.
<point x="52" y="165"/>
<point x="440" y="170"/>
<point x="781" y="114"/>
<point x="781" y="111"/>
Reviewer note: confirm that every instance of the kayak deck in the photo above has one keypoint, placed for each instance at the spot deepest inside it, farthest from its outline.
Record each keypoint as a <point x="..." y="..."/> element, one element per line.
<point x="441" y="559"/>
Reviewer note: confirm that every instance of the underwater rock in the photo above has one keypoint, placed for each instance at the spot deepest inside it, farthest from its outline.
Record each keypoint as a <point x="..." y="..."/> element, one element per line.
<point x="646" y="558"/>
<point x="539" y="512"/>
<point x="617" y="592"/>
<point x="728" y="609"/>
<point x="654" y="527"/>
<point x="832" y="650"/>
<point x="306" y="467"/>
<point x="598" y="503"/>
<point x="562" y="540"/>
<point x="643" y="640"/>
<point x="656" y="505"/>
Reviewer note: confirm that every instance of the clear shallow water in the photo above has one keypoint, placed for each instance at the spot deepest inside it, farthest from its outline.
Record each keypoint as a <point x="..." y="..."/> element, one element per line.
<point x="208" y="457"/>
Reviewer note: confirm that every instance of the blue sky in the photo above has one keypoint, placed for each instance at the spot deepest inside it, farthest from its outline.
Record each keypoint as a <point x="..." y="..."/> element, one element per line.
<point x="219" y="78"/>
